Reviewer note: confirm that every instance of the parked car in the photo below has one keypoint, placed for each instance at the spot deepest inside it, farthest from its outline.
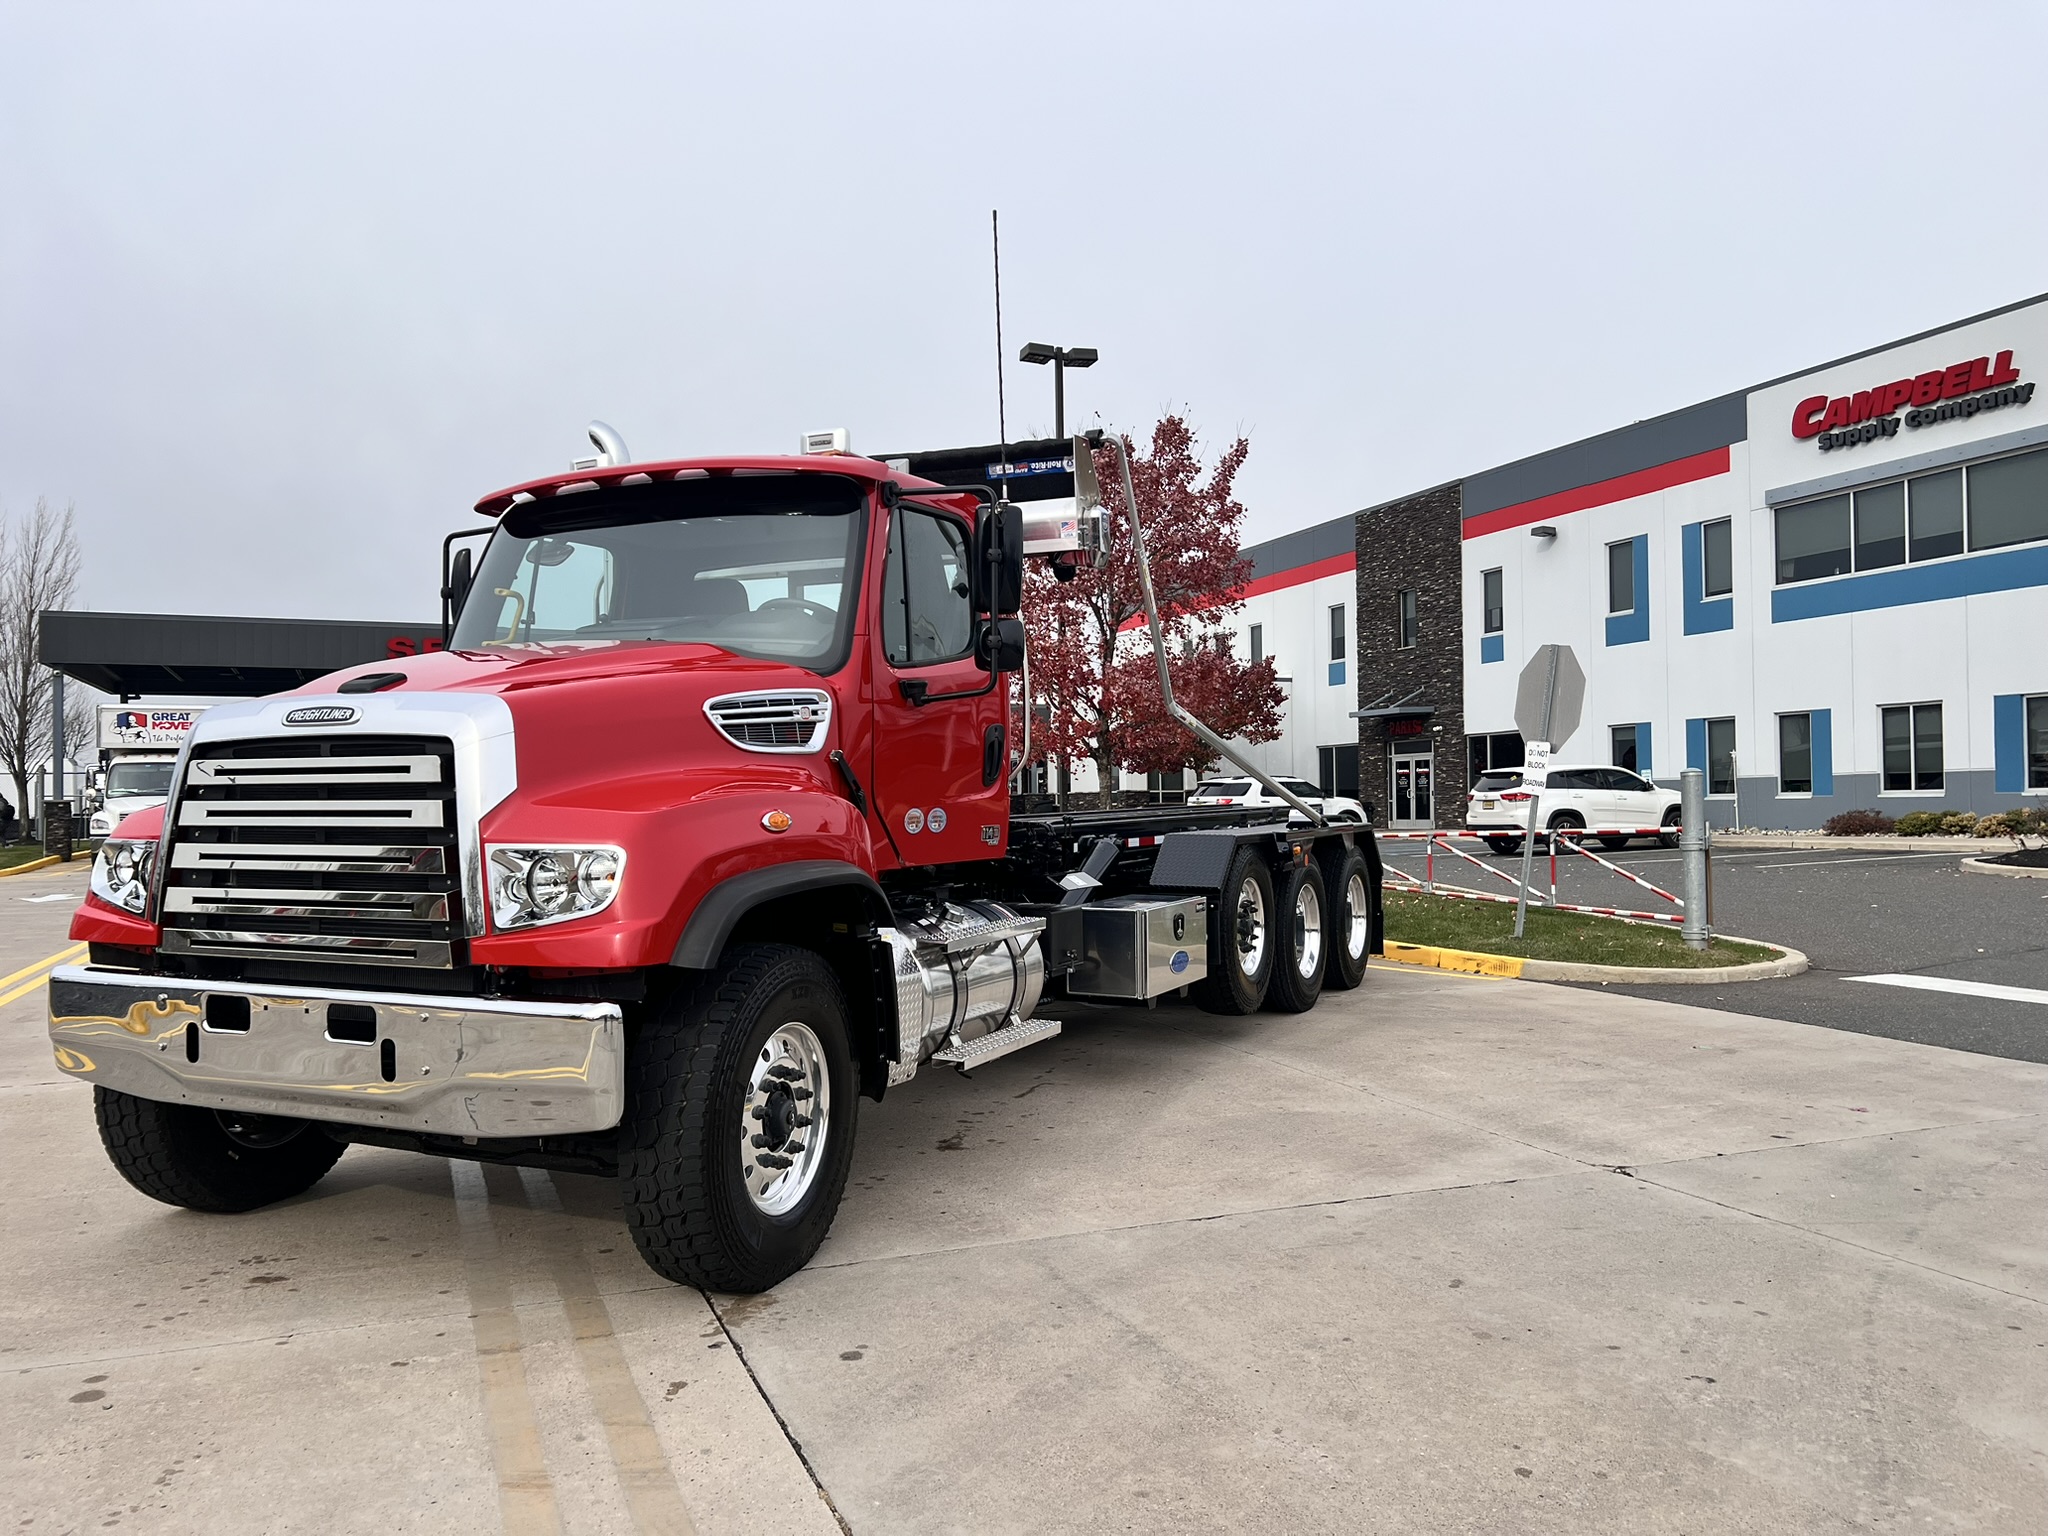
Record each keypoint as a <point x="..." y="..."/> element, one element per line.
<point x="1252" y="793"/>
<point x="1589" y="796"/>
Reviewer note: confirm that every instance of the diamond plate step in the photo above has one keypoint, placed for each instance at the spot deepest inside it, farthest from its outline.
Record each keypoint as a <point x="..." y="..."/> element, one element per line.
<point x="1011" y="1037"/>
<point x="987" y="935"/>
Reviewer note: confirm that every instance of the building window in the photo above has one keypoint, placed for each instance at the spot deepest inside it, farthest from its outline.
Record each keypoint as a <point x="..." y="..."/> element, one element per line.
<point x="1717" y="542"/>
<point x="1489" y="753"/>
<point x="1622" y="740"/>
<point x="1621" y="577"/>
<point x="1493" y="620"/>
<point x="1258" y="638"/>
<point x="1405" y="618"/>
<point x="1937" y="509"/>
<point x="2037" y="742"/>
<point x="2001" y="502"/>
<point x="1337" y="646"/>
<point x="1795" y="754"/>
<point x="1813" y="539"/>
<point x="1912" y="747"/>
<point x="1720" y="757"/>
<point x="2009" y="500"/>
<point x="1881" y="526"/>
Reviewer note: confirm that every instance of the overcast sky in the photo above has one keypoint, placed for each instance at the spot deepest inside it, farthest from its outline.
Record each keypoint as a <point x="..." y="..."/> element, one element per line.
<point x="285" y="288"/>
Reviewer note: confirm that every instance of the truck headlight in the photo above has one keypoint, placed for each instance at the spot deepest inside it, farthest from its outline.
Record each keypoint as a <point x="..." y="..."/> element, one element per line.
<point x="121" y="871"/>
<point x="531" y="886"/>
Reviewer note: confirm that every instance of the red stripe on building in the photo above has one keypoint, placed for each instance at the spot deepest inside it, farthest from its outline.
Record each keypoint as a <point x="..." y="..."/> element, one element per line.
<point x="1336" y="565"/>
<point x="1701" y="466"/>
<point x="1293" y="576"/>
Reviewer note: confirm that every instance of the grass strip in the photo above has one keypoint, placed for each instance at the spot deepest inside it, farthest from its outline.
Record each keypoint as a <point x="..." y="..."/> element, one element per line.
<point x="1576" y="937"/>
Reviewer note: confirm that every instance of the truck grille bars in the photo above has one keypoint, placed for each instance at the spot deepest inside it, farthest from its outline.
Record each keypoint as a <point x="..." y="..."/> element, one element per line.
<point x="316" y="848"/>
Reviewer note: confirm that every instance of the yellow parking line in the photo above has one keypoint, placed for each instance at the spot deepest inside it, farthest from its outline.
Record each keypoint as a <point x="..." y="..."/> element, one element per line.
<point x="44" y="964"/>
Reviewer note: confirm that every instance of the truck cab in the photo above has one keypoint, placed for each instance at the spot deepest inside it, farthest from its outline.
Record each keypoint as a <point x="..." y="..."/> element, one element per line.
<point x="131" y="782"/>
<point x="697" y="832"/>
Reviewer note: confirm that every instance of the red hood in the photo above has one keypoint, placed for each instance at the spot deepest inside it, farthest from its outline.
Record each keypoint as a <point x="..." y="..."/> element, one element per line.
<point x="508" y="671"/>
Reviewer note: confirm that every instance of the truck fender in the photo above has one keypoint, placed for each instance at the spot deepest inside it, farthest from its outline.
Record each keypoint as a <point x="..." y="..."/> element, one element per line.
<point x="711" y="925"/>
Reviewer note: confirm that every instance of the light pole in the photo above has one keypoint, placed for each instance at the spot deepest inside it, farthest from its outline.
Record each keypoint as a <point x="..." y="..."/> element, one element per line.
<point x="1061" y="358"/>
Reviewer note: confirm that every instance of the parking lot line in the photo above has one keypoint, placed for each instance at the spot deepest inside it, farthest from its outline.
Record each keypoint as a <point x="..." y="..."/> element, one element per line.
<point x="37" y="974"/>
<point x="1962" y="988"/>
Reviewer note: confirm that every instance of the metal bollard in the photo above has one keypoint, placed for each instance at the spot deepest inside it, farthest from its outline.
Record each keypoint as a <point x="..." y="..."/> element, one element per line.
<point x="1693" y="855"/>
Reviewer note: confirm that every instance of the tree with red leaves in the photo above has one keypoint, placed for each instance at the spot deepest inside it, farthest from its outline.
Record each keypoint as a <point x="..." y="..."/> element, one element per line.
<point x="1094" y="681"/>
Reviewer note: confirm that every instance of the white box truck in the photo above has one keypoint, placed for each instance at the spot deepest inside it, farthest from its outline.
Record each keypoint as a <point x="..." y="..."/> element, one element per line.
<point x="138" y="749"/>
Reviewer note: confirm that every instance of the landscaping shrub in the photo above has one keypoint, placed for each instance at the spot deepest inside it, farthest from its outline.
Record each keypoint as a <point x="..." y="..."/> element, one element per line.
<point x="1959" y="824"/>
<point x="1997" y="824"/>
<point x="1918" y="823"/>
<point x="1857" y="824"/>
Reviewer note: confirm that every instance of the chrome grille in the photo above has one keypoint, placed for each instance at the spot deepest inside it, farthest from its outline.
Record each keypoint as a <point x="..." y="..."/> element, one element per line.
<point x="791" y="720"/>
<point x="330" y="849"/>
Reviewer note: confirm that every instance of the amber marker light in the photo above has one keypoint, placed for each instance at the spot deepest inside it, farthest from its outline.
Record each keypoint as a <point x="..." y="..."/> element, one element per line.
<point x="776" y="821"/>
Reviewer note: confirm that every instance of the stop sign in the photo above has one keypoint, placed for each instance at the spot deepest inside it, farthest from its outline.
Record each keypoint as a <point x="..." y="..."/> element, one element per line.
<point x="1550" y="696"/>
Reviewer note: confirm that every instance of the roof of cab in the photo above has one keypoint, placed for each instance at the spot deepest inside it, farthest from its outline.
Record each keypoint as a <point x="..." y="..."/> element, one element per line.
<point x="575" y="481"/>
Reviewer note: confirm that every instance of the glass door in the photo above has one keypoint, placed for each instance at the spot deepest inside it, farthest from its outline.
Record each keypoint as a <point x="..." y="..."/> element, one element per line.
<point x="1413" y="791"/>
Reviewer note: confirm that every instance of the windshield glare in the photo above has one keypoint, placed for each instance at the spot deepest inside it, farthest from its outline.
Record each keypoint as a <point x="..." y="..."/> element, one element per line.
<point x="764" y="567"/>
<point x="138" y="779"/>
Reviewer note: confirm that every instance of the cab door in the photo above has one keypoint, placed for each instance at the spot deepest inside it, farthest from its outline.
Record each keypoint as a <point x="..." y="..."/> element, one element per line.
<point x="933" y="784"/>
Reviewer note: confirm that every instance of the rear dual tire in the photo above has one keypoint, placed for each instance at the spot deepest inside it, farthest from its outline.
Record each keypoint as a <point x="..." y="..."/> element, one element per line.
<point x="1303" y="940"/>
<point x="1347" y="944"/>
<point x="1241" y="942"/>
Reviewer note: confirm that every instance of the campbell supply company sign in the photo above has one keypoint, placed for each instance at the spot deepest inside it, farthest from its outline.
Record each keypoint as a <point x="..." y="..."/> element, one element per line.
<point x="1954" y="393"/>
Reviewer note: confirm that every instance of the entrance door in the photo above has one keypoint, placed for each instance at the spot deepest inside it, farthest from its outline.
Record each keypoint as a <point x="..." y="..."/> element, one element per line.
<point x="1413" y="791"/>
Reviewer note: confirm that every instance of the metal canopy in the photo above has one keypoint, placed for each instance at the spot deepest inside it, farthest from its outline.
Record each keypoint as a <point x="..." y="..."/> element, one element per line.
<point x="1387" y="707"/>
<point x="137" y="654"/>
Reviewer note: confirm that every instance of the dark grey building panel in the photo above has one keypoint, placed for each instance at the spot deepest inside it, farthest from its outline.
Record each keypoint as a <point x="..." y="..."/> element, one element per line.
<point x="1305" y="546"/>
<point x="1642" y="445"/>
<point x="170" y="653"/>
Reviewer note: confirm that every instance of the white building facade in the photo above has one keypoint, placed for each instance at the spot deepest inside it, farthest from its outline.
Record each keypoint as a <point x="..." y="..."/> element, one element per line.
<point x="1828" y="592"/>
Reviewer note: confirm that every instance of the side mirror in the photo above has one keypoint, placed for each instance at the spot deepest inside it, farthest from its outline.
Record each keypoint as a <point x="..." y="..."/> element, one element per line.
<point x="999" y="560"/>
<point x="1000" y="646"/>
<point x="455" y="585"/>
<point x="1092" y="527"/>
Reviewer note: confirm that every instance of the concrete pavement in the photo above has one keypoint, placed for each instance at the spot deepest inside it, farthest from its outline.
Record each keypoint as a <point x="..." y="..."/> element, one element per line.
<point x="1447" y="1254"/>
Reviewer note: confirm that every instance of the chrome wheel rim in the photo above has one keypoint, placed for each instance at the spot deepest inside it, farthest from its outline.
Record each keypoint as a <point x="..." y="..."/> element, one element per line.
<point x="1357" y="925"/>
<point x="1251" y="926"/>
<point x="785" y="1119"/>
<point x="1308" y="931"/>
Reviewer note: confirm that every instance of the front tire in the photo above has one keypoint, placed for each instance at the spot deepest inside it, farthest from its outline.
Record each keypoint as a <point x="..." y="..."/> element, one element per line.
<point x="1241" y="940"/>
<point x="1668" y="838"/>
<point x="1301" y="933"/>
<point x="210" y="1160"/>
<point x="1347" y="941"/>
<point x="739" y="1122"/>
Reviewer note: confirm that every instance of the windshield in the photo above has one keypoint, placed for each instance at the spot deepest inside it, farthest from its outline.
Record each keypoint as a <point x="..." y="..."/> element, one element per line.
<point x="138" y="779"/>
<point x="765" y="566"/>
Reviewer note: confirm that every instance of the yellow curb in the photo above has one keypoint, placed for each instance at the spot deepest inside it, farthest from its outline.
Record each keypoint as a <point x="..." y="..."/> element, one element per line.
<point x="21" y="869"/>
<point x="1455" y="959"/>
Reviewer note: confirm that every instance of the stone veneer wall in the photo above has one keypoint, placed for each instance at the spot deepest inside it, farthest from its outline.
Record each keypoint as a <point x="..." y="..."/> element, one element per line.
<point x="1415" y="542"/>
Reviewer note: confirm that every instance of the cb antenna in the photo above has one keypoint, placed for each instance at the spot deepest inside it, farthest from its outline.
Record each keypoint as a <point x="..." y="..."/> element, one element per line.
<point x="995" y="233"/>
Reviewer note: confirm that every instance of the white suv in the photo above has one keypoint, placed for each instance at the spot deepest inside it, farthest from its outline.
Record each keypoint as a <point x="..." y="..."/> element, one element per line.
<point x="1593" y="797"/>
<point x="1251" y="792"/>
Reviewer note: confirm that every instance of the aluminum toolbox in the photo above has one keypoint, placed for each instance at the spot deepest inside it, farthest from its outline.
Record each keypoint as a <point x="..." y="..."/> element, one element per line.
<point x="1141" y="946"/>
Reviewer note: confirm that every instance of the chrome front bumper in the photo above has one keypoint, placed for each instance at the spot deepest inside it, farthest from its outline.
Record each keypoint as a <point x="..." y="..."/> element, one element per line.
<point x="457" y="1066"/>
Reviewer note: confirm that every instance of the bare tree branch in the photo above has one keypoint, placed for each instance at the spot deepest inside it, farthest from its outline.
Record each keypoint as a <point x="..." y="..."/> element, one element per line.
<point x="38" y="571"/>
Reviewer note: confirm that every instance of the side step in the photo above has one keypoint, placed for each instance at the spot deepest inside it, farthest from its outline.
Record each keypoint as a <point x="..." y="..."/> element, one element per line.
<point x="1000" y="1042"/>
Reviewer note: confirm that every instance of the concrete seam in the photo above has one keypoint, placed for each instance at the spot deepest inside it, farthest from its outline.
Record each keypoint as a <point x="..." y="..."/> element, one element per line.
<point x="1829" y="1237"/>
<point x="796" y="1445"/>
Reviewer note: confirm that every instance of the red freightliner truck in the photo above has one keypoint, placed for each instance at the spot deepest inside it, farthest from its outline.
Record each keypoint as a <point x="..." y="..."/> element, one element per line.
<point x="698" y="832"/>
